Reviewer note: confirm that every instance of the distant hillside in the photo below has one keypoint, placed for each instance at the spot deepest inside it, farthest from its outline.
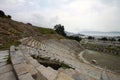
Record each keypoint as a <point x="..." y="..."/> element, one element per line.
<point x="11" y="31"/>
<point x="98" y="33"/>
<point x="73" y="34"/>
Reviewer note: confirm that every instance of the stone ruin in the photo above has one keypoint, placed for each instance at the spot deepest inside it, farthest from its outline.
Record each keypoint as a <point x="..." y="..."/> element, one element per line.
<point x="25" y="64"/>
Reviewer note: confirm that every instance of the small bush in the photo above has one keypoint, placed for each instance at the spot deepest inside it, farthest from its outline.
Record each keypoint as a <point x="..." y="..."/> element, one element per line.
<point x="7" y="45"/>
<point x="9" y="59"/>
<point x="65" y="66"/>
<point x="77" y="38"/>
<point x="29" y="24"/>
<point x="119" y="40"/>
<point x="9" y="16"/>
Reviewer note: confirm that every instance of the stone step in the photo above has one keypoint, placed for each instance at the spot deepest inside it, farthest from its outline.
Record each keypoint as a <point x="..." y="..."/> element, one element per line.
<point x="63" y="76"/>
<point x="26" y="76"/>
<point x="6" y="68"/>
<point x="8" y="76"/>
<point x="31" y="70"/>
<point x="3" y="64"/>
<point x="47" y="73"/>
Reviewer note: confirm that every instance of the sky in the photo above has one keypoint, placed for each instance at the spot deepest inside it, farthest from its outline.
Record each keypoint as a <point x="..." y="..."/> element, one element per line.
<point x="75" y="15"/>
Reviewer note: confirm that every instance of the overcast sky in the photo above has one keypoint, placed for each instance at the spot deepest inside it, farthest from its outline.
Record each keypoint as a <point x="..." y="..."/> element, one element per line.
<point x="75" y="15"/>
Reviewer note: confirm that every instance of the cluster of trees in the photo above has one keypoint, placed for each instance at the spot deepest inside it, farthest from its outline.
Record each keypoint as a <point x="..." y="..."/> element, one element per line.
<point x="77" y="38"/>
<point x="119" y="40"/>
<point x="91" y="37"/>
<point x="2" y="14"/>
<point x="103" y="38"/>
<point x="108" y="39"/>
<point x="60" y="30"/>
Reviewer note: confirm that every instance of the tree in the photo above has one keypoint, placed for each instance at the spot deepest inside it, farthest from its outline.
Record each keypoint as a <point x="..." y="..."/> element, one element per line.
<point x="90" y="37"/>
<point x="112" y="39"/>
<point x="2" y="14"/>
<point x="77" y="38"/>
<point x="29" y="24"/>
<point x="119" y="40"/>
<point x="60" y="29"/>
<point x="104" y="39"/>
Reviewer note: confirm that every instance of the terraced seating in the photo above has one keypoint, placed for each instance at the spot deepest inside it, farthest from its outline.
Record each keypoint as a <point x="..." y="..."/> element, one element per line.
<point x="3" y="57"/>
<point x="46" y="73"/>
<point x="58" y="50"/>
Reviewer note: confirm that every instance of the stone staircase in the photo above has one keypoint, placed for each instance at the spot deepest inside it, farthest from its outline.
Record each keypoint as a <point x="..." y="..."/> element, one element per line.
<point x="6" y="70"/>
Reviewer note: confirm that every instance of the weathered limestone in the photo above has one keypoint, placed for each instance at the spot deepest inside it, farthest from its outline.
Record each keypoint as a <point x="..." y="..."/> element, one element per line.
<point x="5" y="69"/>
<point x="8" y="76"/>
<point x="26" y="76"/>
<point x="31" y="70"/>
<point x="104" y="76"/>
<point x="19" y="62"/>
<point x="3" y="58"/>
<point x="35" y="63"/>
<point x="63" y="76"/>
<point x="47" y="73"/>
<point x="20" y="69"/>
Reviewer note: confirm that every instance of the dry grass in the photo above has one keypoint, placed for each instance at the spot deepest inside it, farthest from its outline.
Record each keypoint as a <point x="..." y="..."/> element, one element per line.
<point x="11" y="30"/>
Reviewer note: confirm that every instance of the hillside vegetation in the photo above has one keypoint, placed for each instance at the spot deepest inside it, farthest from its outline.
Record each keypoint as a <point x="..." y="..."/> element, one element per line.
<point x="11" y="31"/>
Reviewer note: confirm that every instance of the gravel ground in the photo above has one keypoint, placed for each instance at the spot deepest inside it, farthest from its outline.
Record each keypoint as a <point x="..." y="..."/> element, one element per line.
<point x="103" y="60"/>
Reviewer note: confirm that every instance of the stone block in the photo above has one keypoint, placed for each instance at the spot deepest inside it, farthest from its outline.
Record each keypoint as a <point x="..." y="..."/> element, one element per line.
<point x="48" y="73"/>
<point x="5" y="69"/>
<point x="26" y="76"/>
<point x="20" y="69"/>
<point x="17" y="60"/>
<point x="30" y="68"/>
<point x="8" y="76"/>
<point x="63" y="76"/>
<point x="17" y="57"/>
<point x="12" y="48"/>
<point x="34" y="63"/>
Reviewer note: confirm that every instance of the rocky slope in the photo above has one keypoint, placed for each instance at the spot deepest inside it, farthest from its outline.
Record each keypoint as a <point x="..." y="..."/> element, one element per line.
<point x="11" y="30"/>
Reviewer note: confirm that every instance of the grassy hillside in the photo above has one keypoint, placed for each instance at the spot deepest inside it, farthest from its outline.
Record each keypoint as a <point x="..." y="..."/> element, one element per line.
<point x="11" y="31"/>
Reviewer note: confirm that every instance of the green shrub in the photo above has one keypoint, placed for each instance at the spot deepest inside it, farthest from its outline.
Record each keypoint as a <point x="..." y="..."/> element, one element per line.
<point x="65" y="66"/>
<point x="7" y="45"/>
<point x="9" y="59"/>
